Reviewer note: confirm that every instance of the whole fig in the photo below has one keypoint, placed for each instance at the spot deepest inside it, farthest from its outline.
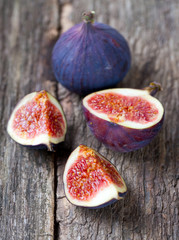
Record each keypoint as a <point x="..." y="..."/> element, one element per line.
<point x="90" y="56"/>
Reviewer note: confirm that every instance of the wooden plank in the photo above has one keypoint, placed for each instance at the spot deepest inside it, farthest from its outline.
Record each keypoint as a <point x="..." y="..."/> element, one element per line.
<point x="149" y="211"/>
<point x="26" y="175"/>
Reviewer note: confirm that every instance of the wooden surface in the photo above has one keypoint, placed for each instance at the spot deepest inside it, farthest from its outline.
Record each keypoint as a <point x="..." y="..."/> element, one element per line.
<point x="32" y="201"/>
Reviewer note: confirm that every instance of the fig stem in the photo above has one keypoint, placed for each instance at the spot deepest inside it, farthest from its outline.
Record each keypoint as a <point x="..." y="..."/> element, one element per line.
<point x="88" y="17"/>
<point x="49" y="147"/>
<point x="153" y="88"/>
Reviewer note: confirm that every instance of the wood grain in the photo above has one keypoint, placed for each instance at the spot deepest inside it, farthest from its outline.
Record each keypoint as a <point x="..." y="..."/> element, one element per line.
<point x="26" y="175"/>
<point x="149" y="211"/>
<point x="32" y="201"/>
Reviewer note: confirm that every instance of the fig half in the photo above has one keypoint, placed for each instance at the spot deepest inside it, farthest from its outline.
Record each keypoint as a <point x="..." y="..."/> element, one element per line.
<point x="124" y="119"/>
<point x="90" y="180"/>
<point x="37" y="120"/>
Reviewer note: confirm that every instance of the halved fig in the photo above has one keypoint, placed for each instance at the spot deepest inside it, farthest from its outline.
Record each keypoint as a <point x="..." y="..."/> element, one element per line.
<point x="124" y="119"/>
<point x="38" y="119"/>
<point x="90" y="180"/>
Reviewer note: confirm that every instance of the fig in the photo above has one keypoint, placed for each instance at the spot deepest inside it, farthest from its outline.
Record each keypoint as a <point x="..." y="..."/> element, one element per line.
<point x="90" y="180"/>
<point x="90" y="56"/>
<point x="124" y="119"/>
<point x="38" y="120"/>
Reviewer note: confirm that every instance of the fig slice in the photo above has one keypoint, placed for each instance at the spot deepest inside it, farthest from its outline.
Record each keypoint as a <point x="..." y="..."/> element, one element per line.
<point x="124" y="119"/>
<point x="90" y="180"/>
<point x="38" y="119"/>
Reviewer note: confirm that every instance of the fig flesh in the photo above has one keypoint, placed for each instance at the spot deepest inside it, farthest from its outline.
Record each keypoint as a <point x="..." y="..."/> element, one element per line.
<point x="90" y="56"/>
<point x="124" y="119"/>
<point x="90" y="180"/>
<point x="37" y="120"/>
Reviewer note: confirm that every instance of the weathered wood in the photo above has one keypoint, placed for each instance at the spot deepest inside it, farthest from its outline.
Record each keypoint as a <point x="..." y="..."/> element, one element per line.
<point x="149" y="211"/>
<point x="26" y="175"/>
<point x="28" y="178"/>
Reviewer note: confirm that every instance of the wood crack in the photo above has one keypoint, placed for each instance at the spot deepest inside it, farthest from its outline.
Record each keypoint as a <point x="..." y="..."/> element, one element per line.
<point x="56" y="223"/>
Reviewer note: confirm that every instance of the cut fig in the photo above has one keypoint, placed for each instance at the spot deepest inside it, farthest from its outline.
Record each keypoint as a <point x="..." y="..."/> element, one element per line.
<point x="124" y="119"/>
<point x="90" y="180"/>
<point x="37" y="120"/>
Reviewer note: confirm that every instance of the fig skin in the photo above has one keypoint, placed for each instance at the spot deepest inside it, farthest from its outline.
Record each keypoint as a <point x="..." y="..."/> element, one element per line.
<point x="120" y="138"/>
<point x="42" y="139"/>
<point x="111" y="201"/>
<point x="90" y="56"/>
<point x="123" y="138"/>
<point x="104" y="195"/>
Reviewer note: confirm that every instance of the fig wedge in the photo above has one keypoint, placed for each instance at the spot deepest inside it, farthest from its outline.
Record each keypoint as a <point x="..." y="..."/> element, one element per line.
<point x="38" y="120"/>
<point x="90" y="180"/>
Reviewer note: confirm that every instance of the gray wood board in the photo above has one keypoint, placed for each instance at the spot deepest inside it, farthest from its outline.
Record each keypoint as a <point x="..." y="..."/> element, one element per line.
<point x="32" y="201"/>
<point x="149" y="211"/>
<point x="26" y="175"/>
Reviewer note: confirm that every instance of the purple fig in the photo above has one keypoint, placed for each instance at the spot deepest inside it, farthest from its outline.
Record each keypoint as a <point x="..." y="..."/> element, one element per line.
<point x="90" y="56"/>
<point x="124" y="119"/>
<point x="90" y="180"/>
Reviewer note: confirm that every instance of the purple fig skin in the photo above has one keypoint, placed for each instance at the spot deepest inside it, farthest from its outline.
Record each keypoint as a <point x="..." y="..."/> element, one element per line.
<point x="113" y="200"/>
<point x="53" y="146"/>
<point x="89" y="57"/>
<point x="120" y="138"/>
